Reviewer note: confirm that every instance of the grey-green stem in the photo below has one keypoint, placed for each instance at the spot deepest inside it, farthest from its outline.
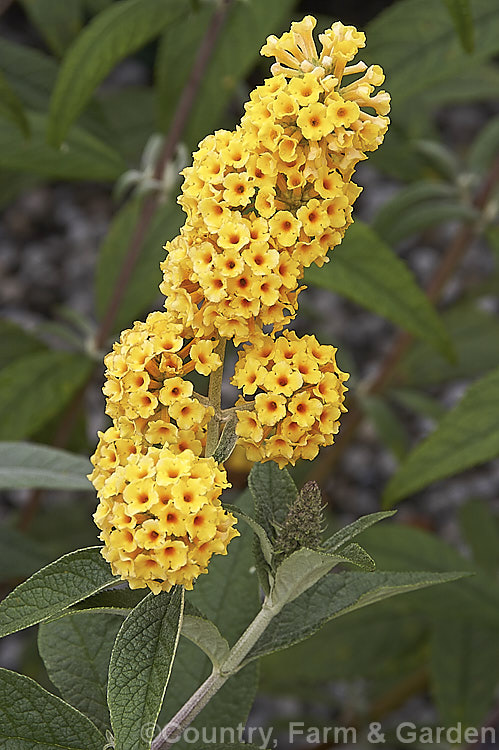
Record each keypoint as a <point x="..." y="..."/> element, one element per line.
<point x="233" y="662"/>
<point x="215" y="400"/>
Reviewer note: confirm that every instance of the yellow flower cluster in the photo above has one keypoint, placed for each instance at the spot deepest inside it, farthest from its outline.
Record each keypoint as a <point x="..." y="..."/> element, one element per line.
<point x="263" y="202"/>
<point x="274" y="195"/>
<point x="299" y="400"/>
<point x="159" y="511"/>
<point x="146" y="389"/>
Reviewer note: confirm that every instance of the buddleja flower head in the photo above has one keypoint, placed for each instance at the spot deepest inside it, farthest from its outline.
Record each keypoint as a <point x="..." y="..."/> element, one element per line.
<point x="275" y="195"/>
<point x="263" y="202"/>
<point x="298" y="393"/>
<point x="159" y="512"/>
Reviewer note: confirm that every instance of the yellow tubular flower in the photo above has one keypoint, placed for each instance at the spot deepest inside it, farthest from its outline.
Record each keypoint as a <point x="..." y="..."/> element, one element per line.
<point x="262" y="203"/>
<point x="302" y="134"/>
<point x="299" y="400"/>
<point x="154" y="529"/>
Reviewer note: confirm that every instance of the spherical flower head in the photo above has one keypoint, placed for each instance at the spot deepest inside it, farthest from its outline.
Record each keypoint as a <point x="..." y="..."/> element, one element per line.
<point x="147" y="382"/>
<point x="299" y="398"/>
<point x="162" y="523"/>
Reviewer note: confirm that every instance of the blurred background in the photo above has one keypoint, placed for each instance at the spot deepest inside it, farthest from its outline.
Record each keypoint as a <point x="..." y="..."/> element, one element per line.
<point x="98" y="113"/>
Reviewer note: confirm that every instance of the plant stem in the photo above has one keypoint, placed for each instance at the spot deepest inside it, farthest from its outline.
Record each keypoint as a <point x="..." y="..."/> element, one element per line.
<point x="232" y="663"/>
<point x="215" y="400"/>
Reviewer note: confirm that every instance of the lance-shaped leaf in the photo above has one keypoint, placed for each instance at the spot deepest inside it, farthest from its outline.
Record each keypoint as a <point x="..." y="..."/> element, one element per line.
<point x="471" y="331"/>
<point x="336" y="595"/>
<point x="301" y="570"/>
<point x="263" y="539"/>
<point x="54" y="588"/>
<point x="273" y="491"/>
<point x="20" y="555"/>
<point x="11" y="106"/>
<point x="112" y="35"/>
<point x="33" y="719"/>
<point x="24" y="465"/>
<point x="347" y="533"/>
<point x="228" y="596"/>
<point x="364" y="269"/>
<point x="112" y="601"/>
<point x="462" y="17"/>
<point x="33" y="390"/>
<point x="57" y="22"/>
<point x="83" y="157"/>
<point x="405" y="200"/>
<point x="141" y="664"/>
<point x="76" y="652"/>
<point x="463" y="661"/>
<point x="480" y="528"/>
<point x="206" y="636"/>
<point x="468" y="435"/>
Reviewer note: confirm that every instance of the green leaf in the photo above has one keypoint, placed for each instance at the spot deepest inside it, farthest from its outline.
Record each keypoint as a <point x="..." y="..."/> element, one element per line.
<point x="227" y="596"/>
<point x="20" y="556"/>
<point x="35" y="388"/>
<point x="82" y="157"/>
<point x="24" y="465"/>
<point x="76" y="652"/>
<point x="141" y="664"/>
<point x="334" y="596"/>
<point x="441" y="158"/>
<point x="111" y="601"/>
<point x="387" y="424"/>
<point x="15" y="343"/>
<point x="30" y="73"/>
<point x="480" y="529"/>
<point x="462" y="17"/>
<point x="364" y="269"/>
<point x="337" y="540"/>
<point x="273" y="491"/>
<point x="468" y="435"/>
<point x="54" y="588"/>
<point x="57" y="22"/>
<point x="404" y="200"/>
<point x="416" y="44"/>
<point x="398" y="547"/>
<point x="112" y="35"/>
<point x="11" y="107"/>
<point x="143" y="286"/>
<point x="418" y="402"/>
<point x="263" y="539"/>
<point x="206" y="636"/>
<point x="129" y="115"/>
<point x="485" y="147"/>
<point x="464" y="662"/>
<point x="298" y="572"/>
<point x="478" y="82"/>
<point x="426" y="215"/>
<point x="33" y="719"/>
<point x="341" y="651"/>
<point x="249" y="24"/>
<point x="471" y="330"/>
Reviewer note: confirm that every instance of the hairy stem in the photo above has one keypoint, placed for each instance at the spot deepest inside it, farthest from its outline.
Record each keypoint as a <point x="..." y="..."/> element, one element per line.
<point x="169" y="735"/>
<point x="215" y="400"/>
